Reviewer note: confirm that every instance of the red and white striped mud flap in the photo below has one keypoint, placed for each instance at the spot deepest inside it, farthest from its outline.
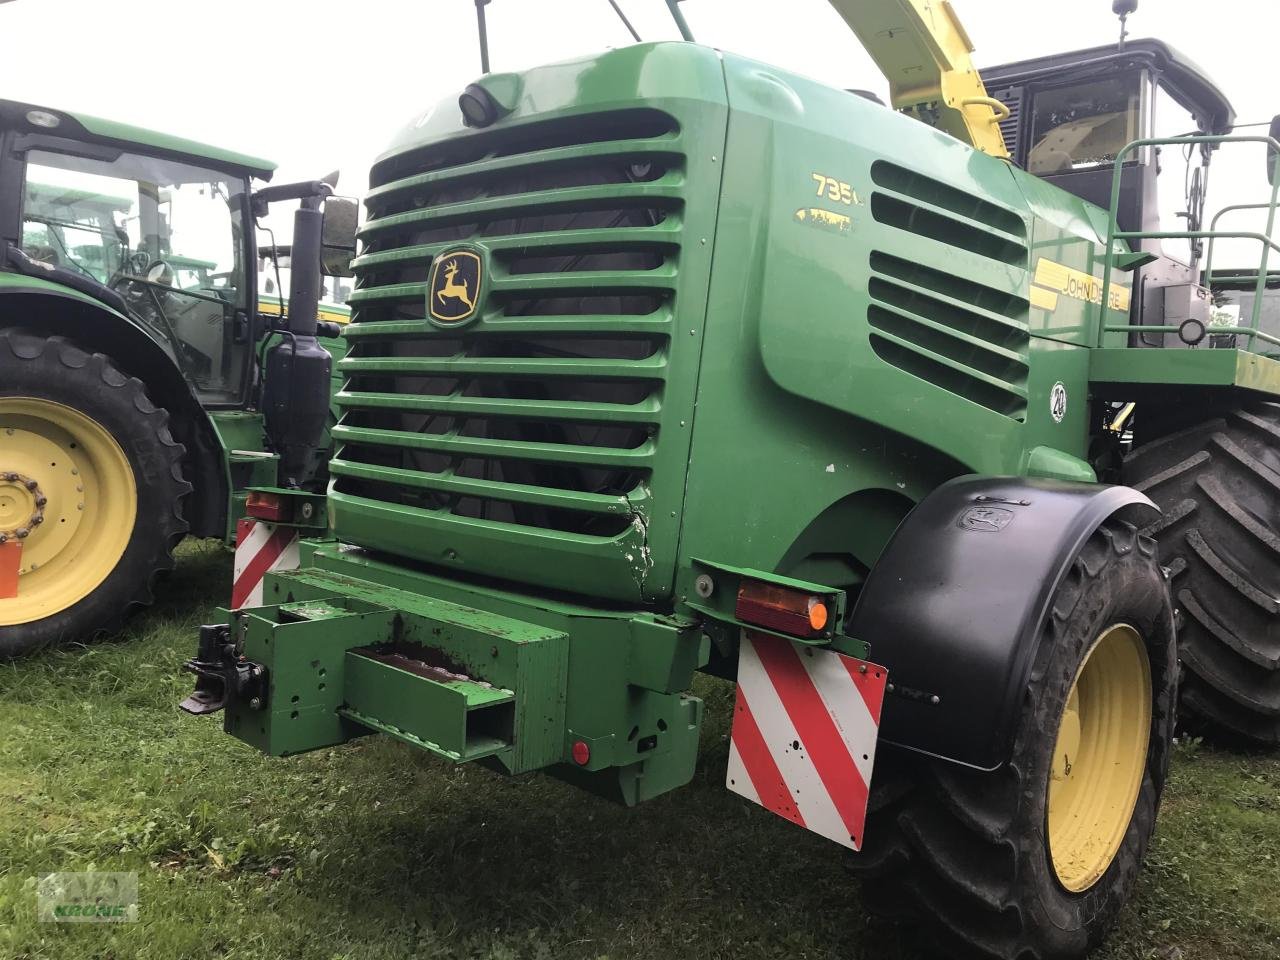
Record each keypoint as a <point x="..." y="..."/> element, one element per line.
<point x="260" y="547"/>
<point x="805" y="724"/>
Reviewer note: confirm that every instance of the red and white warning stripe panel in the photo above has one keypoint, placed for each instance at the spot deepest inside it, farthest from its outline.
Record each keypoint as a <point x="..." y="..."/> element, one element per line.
<point x="260" y="547"/>
<point x="805" y="724"/>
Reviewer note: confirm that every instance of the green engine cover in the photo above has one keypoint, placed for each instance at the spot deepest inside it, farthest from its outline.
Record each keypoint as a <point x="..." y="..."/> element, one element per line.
<point x="677" y="304"/>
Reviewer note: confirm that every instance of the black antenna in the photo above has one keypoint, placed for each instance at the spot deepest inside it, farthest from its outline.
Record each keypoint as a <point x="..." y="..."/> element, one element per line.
<point x="623" y="17"/>
<point x="484" y="35"/>
<point x="1122" y="9"/>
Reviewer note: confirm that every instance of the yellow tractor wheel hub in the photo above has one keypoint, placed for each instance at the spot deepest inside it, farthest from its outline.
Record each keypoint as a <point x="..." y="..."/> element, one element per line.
<point x="67" y="493"/>
<point x="1099" y="758"/>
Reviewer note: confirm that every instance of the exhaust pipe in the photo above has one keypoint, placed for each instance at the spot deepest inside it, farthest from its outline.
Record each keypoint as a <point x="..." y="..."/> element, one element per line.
<point x="295" y="397"/>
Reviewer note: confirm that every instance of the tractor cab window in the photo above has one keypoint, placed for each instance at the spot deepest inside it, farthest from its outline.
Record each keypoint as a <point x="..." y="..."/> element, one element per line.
<point x="73" y="227"/>
<point x="1084" y="125"/>
<point x="1180" y="175"/>
<point x="167" y="236"/>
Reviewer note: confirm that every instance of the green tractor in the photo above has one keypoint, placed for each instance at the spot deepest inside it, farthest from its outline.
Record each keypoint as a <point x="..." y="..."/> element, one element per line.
<point x="665" y="361"/>
<point x="135" y="398"/>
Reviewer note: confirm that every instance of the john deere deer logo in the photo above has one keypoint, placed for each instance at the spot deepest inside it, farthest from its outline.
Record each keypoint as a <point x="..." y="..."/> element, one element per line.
<point x="454" y="290"/>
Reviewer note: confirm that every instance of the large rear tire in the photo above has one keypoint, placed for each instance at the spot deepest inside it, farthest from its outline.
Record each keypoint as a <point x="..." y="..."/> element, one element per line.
<point x="91" y="486"/>
<point x="1218" y="484"/>
<point x="1035" y="859"/>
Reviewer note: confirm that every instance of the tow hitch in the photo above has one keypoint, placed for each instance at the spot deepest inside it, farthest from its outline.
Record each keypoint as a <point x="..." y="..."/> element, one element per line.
<point x="222" y="675"/>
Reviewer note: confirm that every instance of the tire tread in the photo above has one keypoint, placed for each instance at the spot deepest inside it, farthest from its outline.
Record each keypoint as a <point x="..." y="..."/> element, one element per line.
<point x="29" y="346"/>
<point x="1223" y="554"/>
<point x="947" y="853"/>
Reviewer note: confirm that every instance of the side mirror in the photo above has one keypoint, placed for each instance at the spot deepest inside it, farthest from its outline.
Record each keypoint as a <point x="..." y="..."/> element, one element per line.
<point x="1273" y="155"/>
<point x="338" y="236"/>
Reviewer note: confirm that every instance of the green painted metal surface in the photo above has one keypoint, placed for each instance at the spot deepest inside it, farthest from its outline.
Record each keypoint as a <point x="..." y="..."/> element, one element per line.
<point x="455" y="718"/>
<point x="633" y="556"/>
<point x="155" y="140"/>
<point x="240" y="429"/>
<point x="305" y="650"/>
<point x="1219" y="368"/>
<point x="814" y="355"/>
<point x="503" y="652"/>
<point x="760" y="390"/>
<point x="717" y="602"/>
<point x="611" y="679"/>
<point x="75" y="125"/>
<point x="246" y="462"/>
<point x="728" y="322"/>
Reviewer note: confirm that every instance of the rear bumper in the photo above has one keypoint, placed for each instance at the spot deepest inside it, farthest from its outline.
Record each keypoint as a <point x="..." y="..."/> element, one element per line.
<point x="348" y="646"/>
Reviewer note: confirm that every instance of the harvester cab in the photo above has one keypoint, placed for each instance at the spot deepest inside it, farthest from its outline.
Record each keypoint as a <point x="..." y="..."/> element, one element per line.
<point x="136" y="393"/>
<point x="1071" y="118"/>
<point x="667" y="361"/>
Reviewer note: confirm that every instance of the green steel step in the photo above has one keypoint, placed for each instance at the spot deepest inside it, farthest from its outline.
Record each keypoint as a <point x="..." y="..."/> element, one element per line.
<point x="1174" y="368"/>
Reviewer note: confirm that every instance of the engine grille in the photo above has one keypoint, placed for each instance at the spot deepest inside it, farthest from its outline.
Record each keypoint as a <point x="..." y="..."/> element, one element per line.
<point x="543" y="416"/>
<point x="968" y="338"/>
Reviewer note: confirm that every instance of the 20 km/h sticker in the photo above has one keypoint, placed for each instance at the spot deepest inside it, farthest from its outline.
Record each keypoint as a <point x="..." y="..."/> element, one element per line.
<point x="1058" y="401"/>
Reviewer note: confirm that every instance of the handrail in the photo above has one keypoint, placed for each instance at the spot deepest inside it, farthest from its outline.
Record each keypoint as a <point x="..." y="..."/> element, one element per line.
<point x="1237" y="331"/>
<point x="1114" y="234"/>
<point x="1208" y="265"/>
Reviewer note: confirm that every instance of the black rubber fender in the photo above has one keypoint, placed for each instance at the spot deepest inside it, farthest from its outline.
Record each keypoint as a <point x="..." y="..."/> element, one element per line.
<point x="955" y="604"/>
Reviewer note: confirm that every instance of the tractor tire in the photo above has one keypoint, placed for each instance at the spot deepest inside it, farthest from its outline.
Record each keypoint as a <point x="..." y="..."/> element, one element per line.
<point x="1036" y="858"/>
<point x="91" y="490"/>
<point x="1218" y="484"/>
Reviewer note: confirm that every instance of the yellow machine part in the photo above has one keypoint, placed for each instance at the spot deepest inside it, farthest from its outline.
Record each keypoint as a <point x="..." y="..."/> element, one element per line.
<point x="1099" y="758"/>
<point x="64" y="468"/>
<point x="923" y="51"/>
<point x="325" y="313"/>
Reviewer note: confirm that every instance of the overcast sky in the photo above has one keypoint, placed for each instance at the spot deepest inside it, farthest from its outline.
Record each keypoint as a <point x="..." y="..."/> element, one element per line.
<point x="314" y="84"/>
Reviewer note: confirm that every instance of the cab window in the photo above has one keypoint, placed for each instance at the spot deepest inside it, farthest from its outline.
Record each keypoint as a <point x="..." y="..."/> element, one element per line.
<point x="167" y="236"/>
<point x="1179" y="183"/>
<point x="1084" y="125"/>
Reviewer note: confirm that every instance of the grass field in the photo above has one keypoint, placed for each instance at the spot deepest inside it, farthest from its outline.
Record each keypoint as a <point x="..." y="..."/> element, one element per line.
<point x="376" y="851"/>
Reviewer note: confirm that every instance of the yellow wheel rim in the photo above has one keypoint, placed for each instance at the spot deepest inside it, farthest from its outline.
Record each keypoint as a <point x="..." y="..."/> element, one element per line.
<point x="1099" y="757"/>
<point x="67" y="493"/>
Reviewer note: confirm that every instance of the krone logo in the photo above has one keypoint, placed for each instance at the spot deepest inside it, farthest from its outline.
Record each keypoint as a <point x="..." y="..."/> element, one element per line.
<point x="454" y="288"/>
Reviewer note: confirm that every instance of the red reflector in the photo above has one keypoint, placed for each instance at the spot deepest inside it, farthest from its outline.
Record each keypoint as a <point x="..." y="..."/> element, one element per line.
<point x="266" y="506"/>
<point x="781" y="608"/>
<point x="581" y="753"/>
<point x="10" y="564"/>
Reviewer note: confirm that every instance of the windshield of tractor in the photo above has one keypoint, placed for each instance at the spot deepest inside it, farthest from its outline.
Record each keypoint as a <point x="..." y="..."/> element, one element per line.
<point x="1084" y="125"/>
<point x="167" y="236"/>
